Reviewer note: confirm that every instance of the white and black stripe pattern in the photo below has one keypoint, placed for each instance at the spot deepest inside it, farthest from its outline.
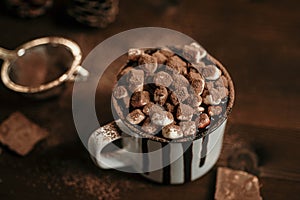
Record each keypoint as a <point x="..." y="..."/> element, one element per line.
<point x="189" y="160"/>
<point x="198" y="157"/>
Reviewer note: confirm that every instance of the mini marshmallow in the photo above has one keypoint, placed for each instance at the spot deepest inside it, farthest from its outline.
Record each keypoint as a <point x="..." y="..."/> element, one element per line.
<point x="134" y="54"/>
<point x="180" y="81"/>
<point x="149" y="63"/>
<point x="188" y="128"/>
<point x="120" y="92"/>
<point x="194" y="53"/>
<point x="162" y="118"/>
<point x="211" y="72"/>
<point x="209" y="100"/>
<point x="182" y="94"/>
<point x="162" y="78"/>
<point x="194" y="100"/>
<point x="214" y="110"/>
<point x="135" y="80"/>
<point x="184" y="112"/>
<point x="222" y="82"/>
<point x="135" y="117"/>
<point x="172" y="132"/>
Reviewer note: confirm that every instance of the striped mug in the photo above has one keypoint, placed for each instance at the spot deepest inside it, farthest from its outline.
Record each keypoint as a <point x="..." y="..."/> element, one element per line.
<point x="155" y="158"/>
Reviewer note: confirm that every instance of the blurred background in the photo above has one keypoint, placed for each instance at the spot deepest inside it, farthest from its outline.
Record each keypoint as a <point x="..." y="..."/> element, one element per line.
<point x="256" y="40"/>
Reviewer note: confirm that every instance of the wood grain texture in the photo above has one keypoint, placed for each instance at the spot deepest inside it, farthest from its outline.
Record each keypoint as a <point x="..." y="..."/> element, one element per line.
<point x="257" y="40"/>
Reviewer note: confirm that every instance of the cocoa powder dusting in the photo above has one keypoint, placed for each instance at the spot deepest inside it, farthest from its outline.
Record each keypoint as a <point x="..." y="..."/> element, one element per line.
<point x="101" y="189"/>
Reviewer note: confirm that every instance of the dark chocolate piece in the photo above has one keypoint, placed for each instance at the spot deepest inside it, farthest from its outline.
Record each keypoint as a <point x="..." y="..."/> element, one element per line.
<point x="177" y="64"/>
<point x="140" y="99"/>
<point x="161" y="58"/>
<point x="203" y="120"/>
<point x="149" y="63"/>
<point x="20" y="134"/>
<point x="214" y="110"/>
<point x="161" y="95"/>
<point x="234" y="184"/>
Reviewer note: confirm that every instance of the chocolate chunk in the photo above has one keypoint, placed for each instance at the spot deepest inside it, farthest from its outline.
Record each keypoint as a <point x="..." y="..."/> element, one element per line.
<point x="149" y="127"/>
<point x="174" y="99"/>
<point x="214" y="110"/>
<point x="140" y="99"/>
<point x="222" y="82"/>
<point x="162" y="79"/>
<point x="162" y="118"/>
<point x="199" y="110"/>
<point x="161" y="95"/>
<point x="147" y="107"/>
<point x="135" y="117"/>
<point x="161" y="58"/>
<point x="211" y="72"/>
<point x="234" y="184"/>
<point x="194" y="100"/>
<point x="203" y="120"/>
<point x="188" y="128"/>
<point x="135" y="80"/>
<point x="155" y="108"/>
<point x="212" y="97"/>
<point x="209" y="85"/>
<point x="169" y="107"/>
<point x="20" y="134"/>
<point x="180" y="81"/>
<point x="182" y="94"/>
<point x="198" y="67"/>
<point x="177" y="64"/>
<point x="120" y="92"/>
<point x="197" y="82"/>
<point x="172" y="132"/>
<point x="166" y="52"/>
<point x="134" y="54"/>
<point x="184" y="112"/>
<point x="149" y="63"/>
<point x="223" y="92"/>
<point x="194" y="76"/>
<point x="193" y="53"/>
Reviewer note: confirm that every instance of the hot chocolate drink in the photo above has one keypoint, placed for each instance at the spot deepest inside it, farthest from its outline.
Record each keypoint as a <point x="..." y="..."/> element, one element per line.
<point x="174" y="93"/>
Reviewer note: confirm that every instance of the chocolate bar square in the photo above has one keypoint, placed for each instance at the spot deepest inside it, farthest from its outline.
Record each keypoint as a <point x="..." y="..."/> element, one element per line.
<point x="235" y="185"/>
<point x="20" y="134"/>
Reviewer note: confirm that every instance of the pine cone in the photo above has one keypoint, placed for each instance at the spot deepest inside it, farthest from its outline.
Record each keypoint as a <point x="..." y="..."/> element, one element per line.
<point x="94" y="13"/>
<point x="28" y="8"/>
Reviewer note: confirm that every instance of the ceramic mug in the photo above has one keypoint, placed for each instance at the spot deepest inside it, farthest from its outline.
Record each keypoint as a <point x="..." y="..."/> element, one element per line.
<point x="156" y="158"/>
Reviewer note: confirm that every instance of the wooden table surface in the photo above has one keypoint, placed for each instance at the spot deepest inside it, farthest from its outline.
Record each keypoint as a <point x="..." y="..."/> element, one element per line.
<point x="257" y="40"/>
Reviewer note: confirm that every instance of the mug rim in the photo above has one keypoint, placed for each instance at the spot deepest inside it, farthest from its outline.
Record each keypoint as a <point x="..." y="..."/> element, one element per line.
<point x="229" y="107"/>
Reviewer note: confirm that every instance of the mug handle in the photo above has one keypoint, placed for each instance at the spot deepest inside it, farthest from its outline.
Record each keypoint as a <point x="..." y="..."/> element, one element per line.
<point x="102" y="137"/>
